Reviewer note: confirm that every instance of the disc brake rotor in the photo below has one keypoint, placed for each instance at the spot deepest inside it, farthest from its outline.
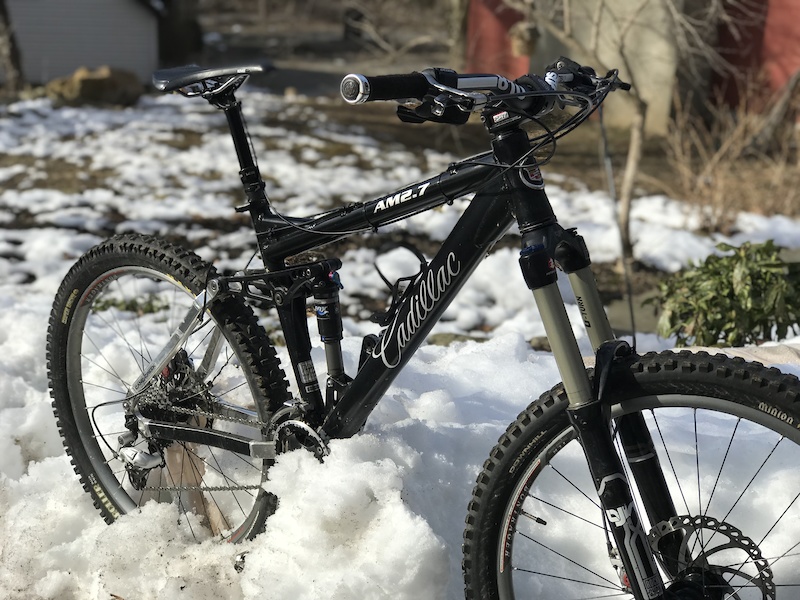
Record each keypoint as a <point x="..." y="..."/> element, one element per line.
<point x="715" y="547"/>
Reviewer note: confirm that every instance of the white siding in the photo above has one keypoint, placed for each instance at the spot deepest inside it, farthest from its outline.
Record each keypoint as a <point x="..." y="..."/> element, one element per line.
<point x="58" y="36"/>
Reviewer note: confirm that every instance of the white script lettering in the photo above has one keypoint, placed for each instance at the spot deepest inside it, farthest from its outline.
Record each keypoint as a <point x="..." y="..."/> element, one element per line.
<point x="432" y="286"/>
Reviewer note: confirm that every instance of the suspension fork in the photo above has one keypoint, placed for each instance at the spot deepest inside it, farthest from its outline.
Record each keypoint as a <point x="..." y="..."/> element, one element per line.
<point x="570" y="252"/>
<point x="589" y="417"/>
<point x="637" y="443"/>
<point x="544" y="242"/>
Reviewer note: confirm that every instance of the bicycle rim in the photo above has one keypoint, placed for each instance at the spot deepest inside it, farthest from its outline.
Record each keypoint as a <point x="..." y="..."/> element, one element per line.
<point x="732" y="472"/>
<point x="122" y="321"/>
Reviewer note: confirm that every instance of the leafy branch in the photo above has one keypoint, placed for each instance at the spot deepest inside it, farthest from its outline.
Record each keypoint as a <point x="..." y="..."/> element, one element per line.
<point x="748" y="296"/>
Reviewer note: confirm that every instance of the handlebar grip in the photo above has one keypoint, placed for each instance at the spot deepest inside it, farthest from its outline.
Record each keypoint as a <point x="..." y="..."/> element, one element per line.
<point x="357" y="89"/>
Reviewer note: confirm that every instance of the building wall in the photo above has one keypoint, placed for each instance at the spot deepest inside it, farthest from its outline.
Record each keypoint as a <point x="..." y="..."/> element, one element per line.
<point x="765" y="49"/>
<point x="58" y="36"/>
<point x="780" y="52"/>
<point x="649" y="48"/>
<point x="489" y="44"/>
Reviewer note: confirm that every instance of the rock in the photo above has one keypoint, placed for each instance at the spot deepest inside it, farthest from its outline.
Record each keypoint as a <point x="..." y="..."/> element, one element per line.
<point x="101" y="86"/>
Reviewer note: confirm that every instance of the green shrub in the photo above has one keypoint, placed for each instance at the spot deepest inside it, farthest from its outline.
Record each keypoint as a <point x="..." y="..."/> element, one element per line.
<point x="745" y="297"/>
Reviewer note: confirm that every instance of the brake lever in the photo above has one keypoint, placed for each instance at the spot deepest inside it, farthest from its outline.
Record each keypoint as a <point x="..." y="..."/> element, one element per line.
<point x="450" y="96"/>
<point x="616" y="82"/>
<point x="443" y="101"/>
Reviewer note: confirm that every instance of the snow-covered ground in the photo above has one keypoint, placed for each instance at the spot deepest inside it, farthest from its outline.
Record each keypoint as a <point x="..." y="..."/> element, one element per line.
<point x="383" y="517"/>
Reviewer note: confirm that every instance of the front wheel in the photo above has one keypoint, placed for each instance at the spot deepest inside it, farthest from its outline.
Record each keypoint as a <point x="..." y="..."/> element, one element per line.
<point x="114" y="313"/>
<point x="727" y="439"/>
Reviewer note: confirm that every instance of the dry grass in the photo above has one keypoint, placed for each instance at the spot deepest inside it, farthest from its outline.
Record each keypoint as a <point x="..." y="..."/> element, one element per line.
<point x="741" y="159"/>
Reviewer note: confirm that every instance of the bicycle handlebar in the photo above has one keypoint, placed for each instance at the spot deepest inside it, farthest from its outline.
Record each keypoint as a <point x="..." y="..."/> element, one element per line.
<point x="471" y="92"/>
<point x="357" y="89"/>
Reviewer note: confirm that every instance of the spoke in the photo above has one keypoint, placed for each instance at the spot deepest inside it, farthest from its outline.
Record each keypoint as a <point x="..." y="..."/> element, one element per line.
<point x="579" y="490"/>
<point x="772" y="563"/>
<point x="669" y="460"/>
<point x="775" y="524"/>
<point x="572" y="514"/>
<point x="574" y="562"/>
<point x="200" y="479"/>
<point x="697" y="470"/>
<point x="138" y="358"/>
<point x="232" y="482"/>
<point x="136" y="322"/>
<point x="752" y="479"/>
<point x="100" y="353"/>
<point x="233" y="389"/>
<point x="180" y="495"/>
<point x="235" y="497"/>
<point x="617" y="592"/>
<point x="104" y="388"/>
<point x="769" y="563"/>
<point x="722" y="466"/>
<point x="213" y="379"/>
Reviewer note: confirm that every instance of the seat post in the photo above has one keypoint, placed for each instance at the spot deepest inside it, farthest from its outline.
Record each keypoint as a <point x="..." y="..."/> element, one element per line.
<point x="252" y="183"/>
<point x="241" y="141"/>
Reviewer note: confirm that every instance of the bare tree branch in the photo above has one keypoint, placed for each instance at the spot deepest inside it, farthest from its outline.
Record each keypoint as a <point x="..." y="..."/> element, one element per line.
<point x="595" y="36"/>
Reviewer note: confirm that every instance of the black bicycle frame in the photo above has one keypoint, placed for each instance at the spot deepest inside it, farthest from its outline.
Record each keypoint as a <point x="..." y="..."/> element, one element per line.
<point x="485" y="220"/>
<point x="509" y="189"/>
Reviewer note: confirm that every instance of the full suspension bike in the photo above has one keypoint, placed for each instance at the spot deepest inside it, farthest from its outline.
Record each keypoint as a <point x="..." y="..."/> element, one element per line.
<point x="657" y="476"/>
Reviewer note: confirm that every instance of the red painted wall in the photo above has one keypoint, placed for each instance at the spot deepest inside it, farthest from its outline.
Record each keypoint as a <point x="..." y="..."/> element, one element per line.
<point x="780" y="49"/>
<point x="489" y="48"/>
<point x="768" y="46"/>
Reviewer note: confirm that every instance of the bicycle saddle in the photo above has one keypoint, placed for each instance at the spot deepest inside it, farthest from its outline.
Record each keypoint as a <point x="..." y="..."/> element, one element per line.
<point x="168" y="80"/>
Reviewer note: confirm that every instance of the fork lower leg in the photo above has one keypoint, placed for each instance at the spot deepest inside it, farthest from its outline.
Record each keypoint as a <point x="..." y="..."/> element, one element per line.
<point x="592" y="426"/>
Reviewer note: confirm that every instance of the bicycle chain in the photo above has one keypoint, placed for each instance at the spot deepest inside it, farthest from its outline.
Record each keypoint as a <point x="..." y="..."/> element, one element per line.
<point x="210" y="415"/>
<point x="146" y="399"/>
<point x="200" y="488"/>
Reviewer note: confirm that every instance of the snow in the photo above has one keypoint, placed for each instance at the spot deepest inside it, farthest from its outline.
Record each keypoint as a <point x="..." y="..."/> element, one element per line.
<point x="383" y="516"/>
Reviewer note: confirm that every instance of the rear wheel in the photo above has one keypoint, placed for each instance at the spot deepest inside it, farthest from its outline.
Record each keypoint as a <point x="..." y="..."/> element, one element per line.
<point x="114" y="312"/>
<point x="726" y="435"/>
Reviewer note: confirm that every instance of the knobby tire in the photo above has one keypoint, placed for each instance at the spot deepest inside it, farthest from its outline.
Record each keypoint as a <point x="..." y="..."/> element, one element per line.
<point x="114" y="312"/>
<point x="726" y="435"/>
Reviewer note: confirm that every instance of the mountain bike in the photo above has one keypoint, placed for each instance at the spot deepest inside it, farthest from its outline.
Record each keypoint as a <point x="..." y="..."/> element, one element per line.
<point x="656" y="476"/>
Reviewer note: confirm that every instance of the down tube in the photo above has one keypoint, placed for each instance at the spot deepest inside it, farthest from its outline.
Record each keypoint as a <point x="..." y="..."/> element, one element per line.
<point x="486" y="219"/>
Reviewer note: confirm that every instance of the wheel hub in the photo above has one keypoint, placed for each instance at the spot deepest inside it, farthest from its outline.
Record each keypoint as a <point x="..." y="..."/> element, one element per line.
<point x="177" y="386"/>
<point x="700" y="585"/>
